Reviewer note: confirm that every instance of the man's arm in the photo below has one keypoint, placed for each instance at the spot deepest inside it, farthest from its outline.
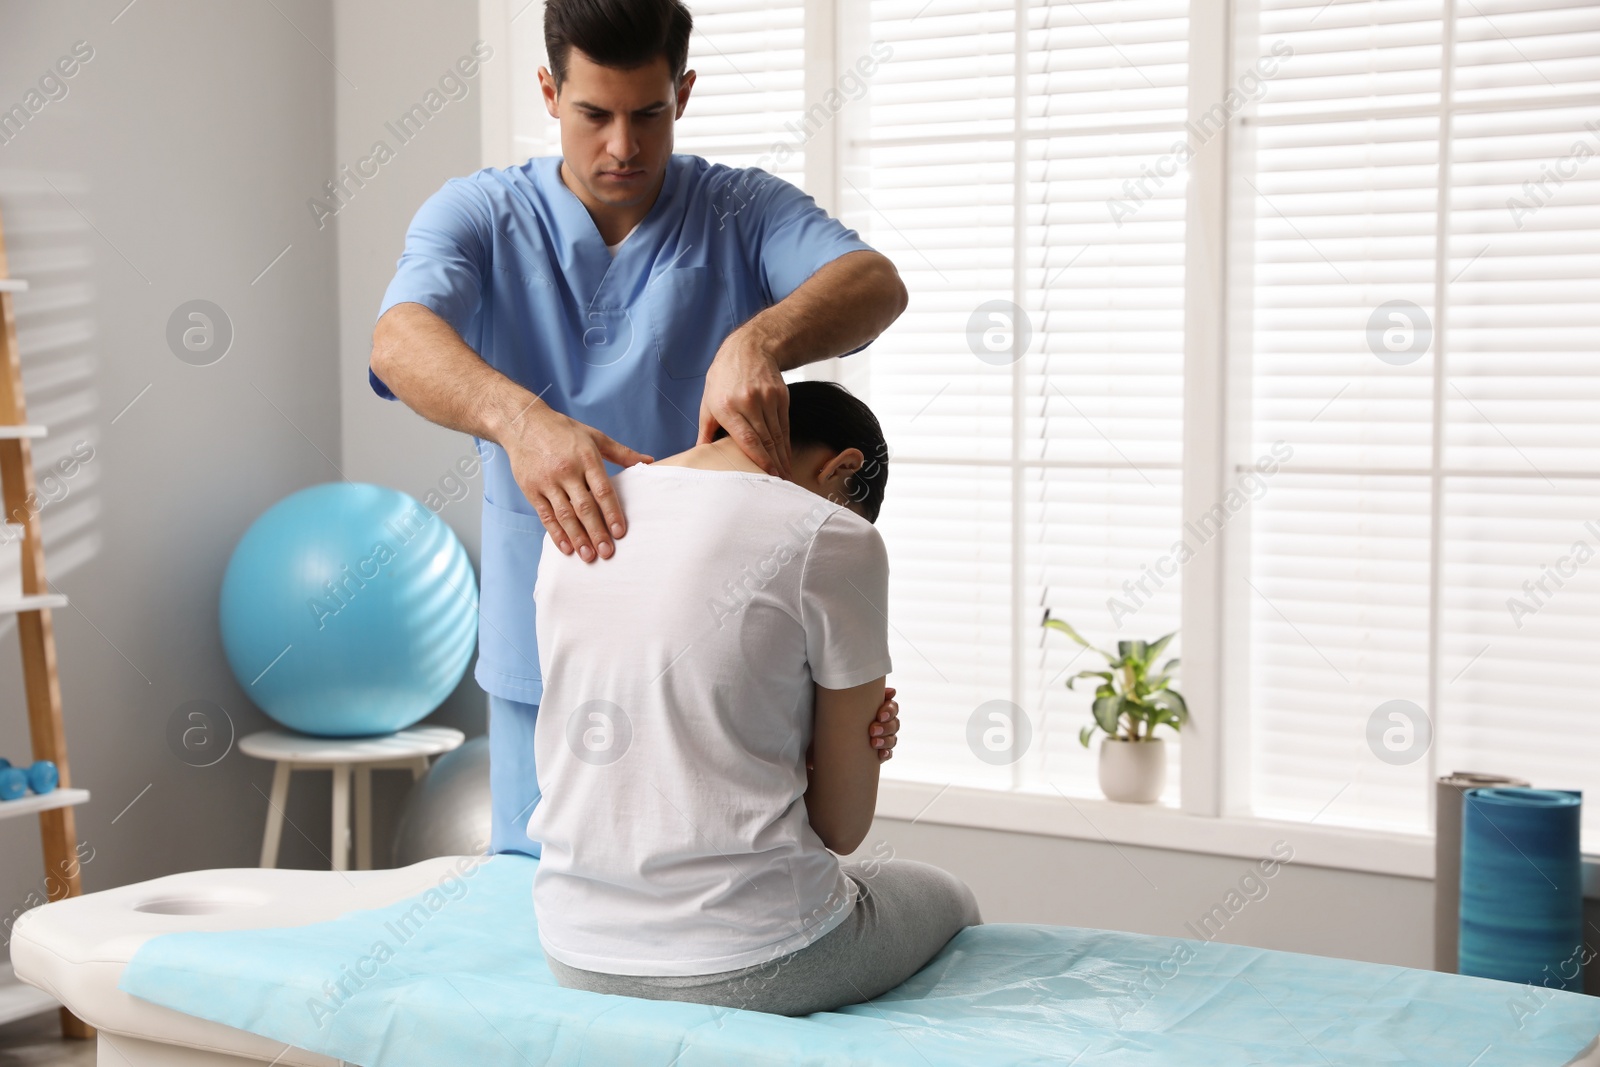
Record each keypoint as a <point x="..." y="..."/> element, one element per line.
<point x="842" y="794"/>
<point x="848" y="302"/>
<point x="557" y="461"/>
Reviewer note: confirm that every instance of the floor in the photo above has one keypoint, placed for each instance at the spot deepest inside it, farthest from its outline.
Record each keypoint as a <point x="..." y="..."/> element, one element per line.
<point x="37" y="1042"/>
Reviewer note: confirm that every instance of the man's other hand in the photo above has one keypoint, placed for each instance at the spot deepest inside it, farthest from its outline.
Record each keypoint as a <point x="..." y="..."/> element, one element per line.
<point x="746" y="395"/>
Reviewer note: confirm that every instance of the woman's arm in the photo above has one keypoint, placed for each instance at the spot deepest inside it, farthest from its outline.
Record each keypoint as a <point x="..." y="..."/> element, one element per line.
<point x="843" y="791"/>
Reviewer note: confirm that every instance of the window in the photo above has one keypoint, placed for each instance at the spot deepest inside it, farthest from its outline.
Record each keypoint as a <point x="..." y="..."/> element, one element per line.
<point x="1420" y="276"/>
<point x="1366" y="309"/>
<point x="1036" y="453"/>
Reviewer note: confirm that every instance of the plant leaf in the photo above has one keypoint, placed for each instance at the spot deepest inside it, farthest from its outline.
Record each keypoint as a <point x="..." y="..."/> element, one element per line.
<point x="1173" y="702"/>
<point x="1161" y="645"/>
<point x="1168" y="719"/>
<point x="1135" y="708"/>
<point x="1057" y="624"/>
<point x="1132" y="651"/>
<point x="1107" y="709"/>
<point x="1088" y="674"/>
<point x="1084" y="735"/>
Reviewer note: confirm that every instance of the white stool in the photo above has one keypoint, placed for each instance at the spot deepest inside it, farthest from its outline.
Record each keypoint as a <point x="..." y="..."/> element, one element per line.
<point x="406" y="749"/>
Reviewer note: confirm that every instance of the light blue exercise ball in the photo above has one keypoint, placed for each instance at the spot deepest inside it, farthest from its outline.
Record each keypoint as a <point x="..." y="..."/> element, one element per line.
<point x="349" y="610"/>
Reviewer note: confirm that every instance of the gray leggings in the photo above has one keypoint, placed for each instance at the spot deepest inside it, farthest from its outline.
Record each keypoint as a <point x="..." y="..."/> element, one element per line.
<point x="905" y="913"/>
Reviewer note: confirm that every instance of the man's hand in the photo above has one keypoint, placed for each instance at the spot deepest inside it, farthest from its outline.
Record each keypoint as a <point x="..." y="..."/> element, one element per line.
<point x="559" y="464"/>
<point x="746" y="395"/>
<point x="557" y="461"/>
<point x="884" y="730"/>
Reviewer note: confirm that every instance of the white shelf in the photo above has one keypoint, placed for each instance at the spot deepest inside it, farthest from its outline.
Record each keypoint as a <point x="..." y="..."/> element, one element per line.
<point x="34" y="803"/>
<point x="26" y="430"/>
<point x="33" y="603"/>
<point x="13" y="285"/>
<point x="19" y="1000"/>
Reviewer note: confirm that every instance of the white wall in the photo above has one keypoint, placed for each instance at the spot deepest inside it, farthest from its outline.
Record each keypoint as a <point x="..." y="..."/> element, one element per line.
<point x="1033" y="878"/>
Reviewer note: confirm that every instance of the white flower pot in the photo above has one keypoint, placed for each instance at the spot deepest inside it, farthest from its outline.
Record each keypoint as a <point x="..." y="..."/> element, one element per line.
<point x="1133" y="772"/>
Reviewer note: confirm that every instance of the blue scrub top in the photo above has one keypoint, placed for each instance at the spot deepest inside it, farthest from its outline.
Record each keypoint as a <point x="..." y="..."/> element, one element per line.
<point x="511" y="259"/>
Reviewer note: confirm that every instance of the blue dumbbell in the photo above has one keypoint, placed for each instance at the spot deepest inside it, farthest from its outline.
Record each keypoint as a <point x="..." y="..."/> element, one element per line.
<point x="43" y="776"/>
<point x="13" y="783"/>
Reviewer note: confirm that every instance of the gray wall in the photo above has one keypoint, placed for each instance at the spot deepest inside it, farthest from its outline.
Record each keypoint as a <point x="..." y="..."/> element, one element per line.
<point x="396" y="52"/>
<point x="191" y="143"/>
<point x="182" y="152"/>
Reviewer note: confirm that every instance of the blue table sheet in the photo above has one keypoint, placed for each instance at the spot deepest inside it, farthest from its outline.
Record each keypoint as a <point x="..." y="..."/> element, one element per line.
<point x="456" y="976"/>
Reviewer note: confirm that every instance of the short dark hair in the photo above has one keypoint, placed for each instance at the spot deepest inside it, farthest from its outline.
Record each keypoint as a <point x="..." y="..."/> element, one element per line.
<point x="828" y="414"/>
<point x="624" y="34"/>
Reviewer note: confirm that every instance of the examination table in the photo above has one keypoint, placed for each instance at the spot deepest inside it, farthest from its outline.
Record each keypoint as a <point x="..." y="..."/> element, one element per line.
<point x="439" y="964"/>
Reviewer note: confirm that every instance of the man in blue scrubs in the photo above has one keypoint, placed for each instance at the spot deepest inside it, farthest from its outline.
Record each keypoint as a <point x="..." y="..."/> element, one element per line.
<point x="612" y="304"/>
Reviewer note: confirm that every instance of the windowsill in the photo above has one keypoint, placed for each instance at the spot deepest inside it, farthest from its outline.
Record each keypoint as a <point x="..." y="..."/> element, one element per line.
<point x="1168" y="827"/>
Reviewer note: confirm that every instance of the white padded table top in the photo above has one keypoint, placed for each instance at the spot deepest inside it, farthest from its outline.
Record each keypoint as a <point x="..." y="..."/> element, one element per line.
<point x="76" y="949"/>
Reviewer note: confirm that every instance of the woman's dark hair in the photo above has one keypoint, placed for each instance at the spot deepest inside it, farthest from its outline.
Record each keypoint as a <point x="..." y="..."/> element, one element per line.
<point x="828" y="414"/>
<point x="624" y="34"/>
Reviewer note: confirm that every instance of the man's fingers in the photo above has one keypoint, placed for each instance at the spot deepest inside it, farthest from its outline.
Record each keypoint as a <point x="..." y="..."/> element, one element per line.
<point x="606" y="496"/>
<point x="570" y="523"/>
<point x="620" y="454"/>
<point x="753" y="442"/>
<point x="592" y="517"/>
<point x="708" y="424"/>
<point x="778" y="420"/>
<point x="547" y="516"/>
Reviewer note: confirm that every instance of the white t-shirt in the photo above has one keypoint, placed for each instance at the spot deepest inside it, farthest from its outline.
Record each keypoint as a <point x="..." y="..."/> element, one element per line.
<point x="613" y="248"/>
<point x="677" y="711"/>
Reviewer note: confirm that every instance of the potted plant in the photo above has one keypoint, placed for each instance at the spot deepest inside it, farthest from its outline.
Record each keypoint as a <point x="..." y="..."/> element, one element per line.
<point x="1129" y="703"/>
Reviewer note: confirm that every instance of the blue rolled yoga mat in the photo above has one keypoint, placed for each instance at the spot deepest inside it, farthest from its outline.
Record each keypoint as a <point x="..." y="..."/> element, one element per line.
<point x="1522" y="887"/>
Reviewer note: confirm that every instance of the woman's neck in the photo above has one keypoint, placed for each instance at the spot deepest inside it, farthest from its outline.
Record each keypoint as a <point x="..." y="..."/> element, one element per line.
<point x="719" y="455"/>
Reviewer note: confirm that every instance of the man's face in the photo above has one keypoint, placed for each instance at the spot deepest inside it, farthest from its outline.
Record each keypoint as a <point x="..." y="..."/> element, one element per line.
<point x="616" y="125"/>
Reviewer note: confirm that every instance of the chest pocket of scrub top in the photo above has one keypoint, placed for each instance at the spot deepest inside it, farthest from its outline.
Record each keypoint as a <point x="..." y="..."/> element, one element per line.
<point x="689" y="319"/>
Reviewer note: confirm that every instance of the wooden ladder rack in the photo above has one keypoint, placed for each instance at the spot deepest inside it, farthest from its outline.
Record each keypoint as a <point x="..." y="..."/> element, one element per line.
<point x="35" y="632"/>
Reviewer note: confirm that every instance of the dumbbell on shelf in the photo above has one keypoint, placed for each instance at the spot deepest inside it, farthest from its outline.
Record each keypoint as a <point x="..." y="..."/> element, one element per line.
<point x="15" y="782"/>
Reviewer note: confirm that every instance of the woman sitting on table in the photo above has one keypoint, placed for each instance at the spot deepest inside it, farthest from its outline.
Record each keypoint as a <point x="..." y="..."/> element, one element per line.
<point x="702" y="746"/>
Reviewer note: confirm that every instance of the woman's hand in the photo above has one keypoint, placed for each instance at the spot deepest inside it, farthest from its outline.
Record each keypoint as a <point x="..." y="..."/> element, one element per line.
<point x="886" y="726"/>
<point x="883" y="731"/>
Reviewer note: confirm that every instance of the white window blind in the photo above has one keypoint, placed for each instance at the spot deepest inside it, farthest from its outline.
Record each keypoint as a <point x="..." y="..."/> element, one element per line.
<point x="991" y="145"/>
<point x="748" y="99"/>
<point x="1437" y="154"/>
<point x="981" y="144"/>
<point x="1427" y="537"/>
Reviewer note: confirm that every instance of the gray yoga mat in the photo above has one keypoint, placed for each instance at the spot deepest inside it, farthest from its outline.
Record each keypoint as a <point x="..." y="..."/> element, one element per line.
<point x="1447" y="861"/>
